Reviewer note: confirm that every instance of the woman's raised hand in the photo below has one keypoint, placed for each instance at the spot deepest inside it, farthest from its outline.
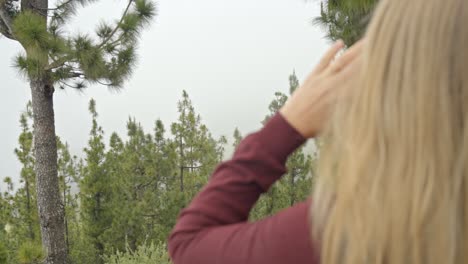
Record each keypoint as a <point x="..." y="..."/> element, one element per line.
<point x="310" y="105"/>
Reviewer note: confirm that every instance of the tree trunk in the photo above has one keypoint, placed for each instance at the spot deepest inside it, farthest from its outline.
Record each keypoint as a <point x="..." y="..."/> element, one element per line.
<point x="181" y="164"/>
<point x="51" y="210"/>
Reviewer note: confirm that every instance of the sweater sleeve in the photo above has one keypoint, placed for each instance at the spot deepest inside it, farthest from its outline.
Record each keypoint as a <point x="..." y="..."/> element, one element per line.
<point x="214" y="227"/>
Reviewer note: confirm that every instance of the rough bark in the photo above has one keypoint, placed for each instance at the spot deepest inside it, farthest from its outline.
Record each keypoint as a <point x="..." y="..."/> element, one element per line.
<point x="51" y="210"/>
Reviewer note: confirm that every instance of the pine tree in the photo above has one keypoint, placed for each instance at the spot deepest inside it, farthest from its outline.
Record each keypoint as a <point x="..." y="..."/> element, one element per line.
<point x="25" y="197"/>
<point x="95" y="189"/>
<point x="237" y="138"/>
<point x="5" y="212"/>
<point x="345" y="19"/>
<point x="197" y="151"/>
<point x="293" y="82"/>
<point x="165" y="156"/>
<point x="53" y="59"/>
<point x="8" y="220"/>
<point x="162" y="214"/>
<point x="132" y="185"/>
<point x="295" y="185"/>
<point x="68" y="176"/>
<point x="113" y="238"/>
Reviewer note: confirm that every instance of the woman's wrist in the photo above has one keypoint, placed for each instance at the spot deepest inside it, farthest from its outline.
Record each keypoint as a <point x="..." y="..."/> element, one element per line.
<point x="298" y="121"/>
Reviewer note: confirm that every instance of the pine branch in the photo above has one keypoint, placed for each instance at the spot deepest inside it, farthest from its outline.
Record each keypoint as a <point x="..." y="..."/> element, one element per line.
<point x="77" y="86"/>
<point x="66" y="84"/>
<point x="117" y="26"/>
<point x="105" y="84"/>
<point x="116" y="41"/>
<point x="58" y="63"/>
<point x="6" y="24"/>
<point x="63" y="60"/>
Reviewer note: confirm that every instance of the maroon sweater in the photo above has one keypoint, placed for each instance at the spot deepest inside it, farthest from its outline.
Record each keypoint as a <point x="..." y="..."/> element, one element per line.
<point x="214" y="227"/>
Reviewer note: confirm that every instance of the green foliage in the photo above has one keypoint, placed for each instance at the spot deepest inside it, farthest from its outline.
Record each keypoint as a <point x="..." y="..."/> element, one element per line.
<point x="19" y="209"/>
<point x="122" y="198"/>
<point x="65" y="9"/>
<point x="145" y="254"/>
<point x="197" y="151"/>
<point x="345" y="19"/>
<point x="30" y="253"/>
<point x="78" y="60"/>
<point x="30" y="29"/>
<point x="52" y="58"/>
<point x="19" y="221"/>
<point x="68" y="176"/>
<point x="95" y="188"/>
<point x="3" y="253"/>
<point x="145" y="10"/>
<point x="28" y="66"/>
<point x="132" y="190"/>
<point x="293" y="82"/>
<point x="237" y="137"/>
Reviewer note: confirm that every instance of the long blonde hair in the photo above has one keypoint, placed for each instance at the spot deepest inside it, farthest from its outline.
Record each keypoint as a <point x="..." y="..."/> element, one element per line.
<point x="394" y="169"/>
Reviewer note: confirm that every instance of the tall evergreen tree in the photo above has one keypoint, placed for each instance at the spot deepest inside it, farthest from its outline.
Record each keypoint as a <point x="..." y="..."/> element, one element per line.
<point x="295" y="185"/>
<point x="3" y="240"/>
<point x="26" y="202"/>
<point x="113" y="238"/>
<point x="95" y="189"/>
<point x="68" y="177"/>
<point x="162" y="211"/>
<point x="293" y="82"/>
<point x="7" y="218"/>
<point x="197" y="151"/>
<point x="137" y="175"/>
<point x="237" y="137"/>
<point x="345" y="19"/>
<point x="53" y="59"/>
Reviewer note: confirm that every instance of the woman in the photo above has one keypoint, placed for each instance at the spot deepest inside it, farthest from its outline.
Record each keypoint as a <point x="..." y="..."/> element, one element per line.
<point x="393" y="174"/>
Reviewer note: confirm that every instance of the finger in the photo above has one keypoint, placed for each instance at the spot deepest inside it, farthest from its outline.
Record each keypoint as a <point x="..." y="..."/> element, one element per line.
<point x="329" y="56"/>
<point x="348" y="57"/>
<point x="352" y="72"/>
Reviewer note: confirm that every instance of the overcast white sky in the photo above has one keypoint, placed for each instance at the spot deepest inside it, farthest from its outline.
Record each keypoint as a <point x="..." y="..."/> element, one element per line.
<point x="230" y="56"/>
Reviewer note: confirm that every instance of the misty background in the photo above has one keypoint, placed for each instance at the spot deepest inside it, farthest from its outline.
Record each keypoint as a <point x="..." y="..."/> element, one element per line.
<point x="230" y="56"/>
